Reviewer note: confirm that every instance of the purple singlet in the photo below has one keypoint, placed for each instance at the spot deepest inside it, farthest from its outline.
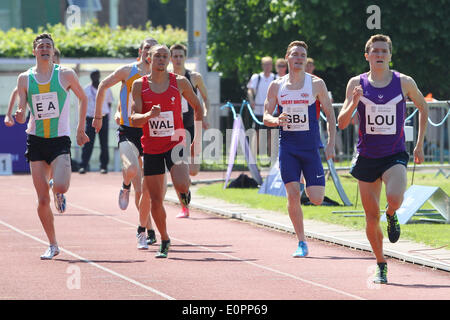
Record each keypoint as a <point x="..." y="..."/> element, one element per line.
<point x="382" y="116"/>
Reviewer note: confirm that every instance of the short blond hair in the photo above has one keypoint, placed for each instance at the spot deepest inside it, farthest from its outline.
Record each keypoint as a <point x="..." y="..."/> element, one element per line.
<point x="281" y="60"/>
<point x="266" y="59"/>
<point x="378" y="37"/>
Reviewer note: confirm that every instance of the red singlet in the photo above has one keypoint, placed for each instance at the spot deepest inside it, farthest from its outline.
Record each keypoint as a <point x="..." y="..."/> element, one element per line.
<point x="164" y="132"/>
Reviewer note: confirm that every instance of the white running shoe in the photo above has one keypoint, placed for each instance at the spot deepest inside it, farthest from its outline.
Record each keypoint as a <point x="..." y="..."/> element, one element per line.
<point x="124" y="197"/>
<point x="59" y="199"/>
<point x="52" y="251"/>
<point x="142" y="241"/>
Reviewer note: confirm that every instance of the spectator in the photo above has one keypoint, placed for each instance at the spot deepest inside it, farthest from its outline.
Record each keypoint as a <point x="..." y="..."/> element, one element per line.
<point x="91" y="92"/>
<point x="281" y="67"/>
<point x="310" y="67"/>
<point x="257" y="92"/>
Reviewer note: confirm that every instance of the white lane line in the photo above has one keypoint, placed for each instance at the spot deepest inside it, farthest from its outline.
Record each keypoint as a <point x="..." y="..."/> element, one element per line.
<point x="279" y="272"/>
<point x="233" y="257"/>
<point x="143" y="286"/>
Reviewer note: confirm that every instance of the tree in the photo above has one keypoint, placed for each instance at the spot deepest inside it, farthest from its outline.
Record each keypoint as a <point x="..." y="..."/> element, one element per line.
<point x="241" y="32"/>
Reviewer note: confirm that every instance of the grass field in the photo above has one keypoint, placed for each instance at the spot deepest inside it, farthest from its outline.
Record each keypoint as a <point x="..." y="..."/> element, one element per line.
<point x="432" y="234"/>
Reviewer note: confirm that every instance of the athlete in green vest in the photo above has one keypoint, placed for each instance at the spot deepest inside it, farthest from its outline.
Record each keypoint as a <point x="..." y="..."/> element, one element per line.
<point x="45" y="90"/>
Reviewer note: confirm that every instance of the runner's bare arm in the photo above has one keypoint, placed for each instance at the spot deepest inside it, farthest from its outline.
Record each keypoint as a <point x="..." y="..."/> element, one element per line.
<point x="70" y="77"/>
<point x="269" y="106"/>
<point x="9" y="120"/>
<point x="352" y="95"/>
<point x="327" y="108"/>
<point x="22" y="83"/>
<point x="118" y="75"/>
<point x="137" y="117"/>
<point x="200" y="84"/>
<point x="189" y="94"/>
<point x="117" y="114"/>
<point x="410" y="88"/>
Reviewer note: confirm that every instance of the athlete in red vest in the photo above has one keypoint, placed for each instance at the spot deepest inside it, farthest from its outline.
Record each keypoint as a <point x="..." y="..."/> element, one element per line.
<point x="157" y="108"/>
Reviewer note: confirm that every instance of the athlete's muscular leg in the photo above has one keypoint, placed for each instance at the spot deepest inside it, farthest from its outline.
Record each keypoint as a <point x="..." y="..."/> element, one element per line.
<point x="40" y="172"/>
<point x="145" y="205"/>
<point x="156" y="188"/>
<point x="315" y="194"/>
<point x="180" y="177"/>
<point x="395" y="182"/>
<point x="138" y="186"/>
<point x="130" y="163"/>
<point x="370" y="198"/>
<point x="294" y="209"/>
<point x="61" y="172"/>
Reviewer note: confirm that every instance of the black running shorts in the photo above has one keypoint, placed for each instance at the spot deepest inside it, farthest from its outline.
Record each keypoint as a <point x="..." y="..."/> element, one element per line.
<point x="131" y="134"/>
<point x="370" y="169"/>
<point x="155" y="164"/>
<point x="46" y="149"/>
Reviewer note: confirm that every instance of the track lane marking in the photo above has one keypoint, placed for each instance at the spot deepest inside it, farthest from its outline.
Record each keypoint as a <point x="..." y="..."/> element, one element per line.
<point x="114" y="273"/>
<point x="232" y="257"/>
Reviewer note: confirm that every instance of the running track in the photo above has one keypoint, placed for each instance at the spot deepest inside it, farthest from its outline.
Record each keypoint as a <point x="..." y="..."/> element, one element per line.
<point x="211" y="258"/>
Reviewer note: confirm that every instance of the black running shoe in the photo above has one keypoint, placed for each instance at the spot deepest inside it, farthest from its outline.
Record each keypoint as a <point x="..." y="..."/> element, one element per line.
<point x="381" y="273"/>
<point x="163" y="249"/>
<point x="151" y="237"/>
<point x="186" y="198"/>
<point x="393" y="227"/>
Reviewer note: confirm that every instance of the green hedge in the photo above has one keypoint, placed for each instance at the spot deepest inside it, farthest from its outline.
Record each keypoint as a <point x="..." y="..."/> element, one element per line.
<point x="91" y="40"/>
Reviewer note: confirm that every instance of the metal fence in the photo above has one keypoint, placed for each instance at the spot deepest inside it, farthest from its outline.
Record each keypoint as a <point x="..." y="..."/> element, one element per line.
<point x="437" y="137"/>
<point x="436" y="144"/>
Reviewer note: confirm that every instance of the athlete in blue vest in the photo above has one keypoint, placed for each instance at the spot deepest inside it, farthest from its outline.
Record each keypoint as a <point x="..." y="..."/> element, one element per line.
<point x="296" y="94"/>
<point x="129" y="138"/>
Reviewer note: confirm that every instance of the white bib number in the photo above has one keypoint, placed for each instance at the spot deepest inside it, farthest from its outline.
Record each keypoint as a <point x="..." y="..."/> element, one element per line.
<point x="45" y="105"/>
<point x="298" y="118"/>
<point x="162" y="126"/>
<point x="381" y="119"/>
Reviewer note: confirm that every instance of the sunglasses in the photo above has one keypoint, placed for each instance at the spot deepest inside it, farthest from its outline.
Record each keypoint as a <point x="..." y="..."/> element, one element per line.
<point x="281" y="66"/>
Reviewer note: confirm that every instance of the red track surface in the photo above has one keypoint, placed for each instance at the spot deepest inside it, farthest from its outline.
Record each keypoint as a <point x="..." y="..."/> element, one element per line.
<point x="211" y="258"/>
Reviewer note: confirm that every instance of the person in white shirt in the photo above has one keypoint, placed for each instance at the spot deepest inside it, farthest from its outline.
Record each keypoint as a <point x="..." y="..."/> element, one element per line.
<point x="258" y="86"/>
<point x="91" y="92"/>
<point x="257" y="93"/>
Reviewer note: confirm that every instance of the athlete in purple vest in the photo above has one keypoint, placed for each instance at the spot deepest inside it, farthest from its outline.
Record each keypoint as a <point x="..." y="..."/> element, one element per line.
<point x="380" y="96"/>
<point x="296" y="94"/>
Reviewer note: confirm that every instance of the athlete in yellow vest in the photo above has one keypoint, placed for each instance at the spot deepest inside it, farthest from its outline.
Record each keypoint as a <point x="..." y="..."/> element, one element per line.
<point x="45" y="89"/>
<point x="129" y="137"/>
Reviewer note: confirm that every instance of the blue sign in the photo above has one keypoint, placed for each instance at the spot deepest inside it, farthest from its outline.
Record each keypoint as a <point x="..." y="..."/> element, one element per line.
<point x="13" y="140"/>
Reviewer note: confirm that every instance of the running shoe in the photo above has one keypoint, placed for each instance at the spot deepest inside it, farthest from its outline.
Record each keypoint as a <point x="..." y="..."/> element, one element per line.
<point x="52" y="251"/>
<point x="302" y="250"/>
<point x="184" y="213"/>
<point x="142" y="241"/>
<point x="151" y="237"/>
<point x="59" y="199"/>
<point x="186" y="198"/>
<point x="163" y="249"/>
<point x="124" y="197"/>
<point x="393" y="227"/>
<point x="381" y="273"/>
